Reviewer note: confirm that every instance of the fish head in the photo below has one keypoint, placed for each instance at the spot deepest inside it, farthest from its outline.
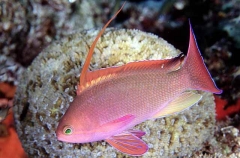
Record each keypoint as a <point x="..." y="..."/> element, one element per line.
<point x="75" y="126"/>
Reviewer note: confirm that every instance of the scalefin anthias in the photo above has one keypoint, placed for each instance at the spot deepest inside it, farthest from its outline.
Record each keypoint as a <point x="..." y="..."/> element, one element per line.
<point x="111" y="101"/>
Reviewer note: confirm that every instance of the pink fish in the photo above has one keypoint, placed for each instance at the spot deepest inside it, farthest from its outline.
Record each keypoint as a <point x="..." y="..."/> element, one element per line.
<point x="111" y="101"/>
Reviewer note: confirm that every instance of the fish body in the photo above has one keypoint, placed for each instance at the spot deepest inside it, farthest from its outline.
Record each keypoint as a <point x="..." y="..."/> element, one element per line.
<point x="133" y="92"/>
<point x="111" y="101"/>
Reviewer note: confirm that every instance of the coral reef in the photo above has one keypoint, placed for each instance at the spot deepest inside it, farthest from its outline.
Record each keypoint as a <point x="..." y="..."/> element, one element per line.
<point x="29" y="26"/>
<point x="48" y="86"/>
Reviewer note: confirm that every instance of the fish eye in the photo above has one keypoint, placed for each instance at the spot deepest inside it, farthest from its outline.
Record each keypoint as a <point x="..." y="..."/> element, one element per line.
<point x="67" y="130"/>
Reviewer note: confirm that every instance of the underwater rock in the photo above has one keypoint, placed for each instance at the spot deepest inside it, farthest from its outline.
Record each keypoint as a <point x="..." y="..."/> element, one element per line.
<point x="232" y="28"/>
<point x="26" y="27"/>
<point x="48" y="86"/>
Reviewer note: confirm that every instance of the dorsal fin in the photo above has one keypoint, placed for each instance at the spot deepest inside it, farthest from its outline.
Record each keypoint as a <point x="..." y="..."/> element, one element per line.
<point x="94" y="77"/>
<point x="171" y="64"/>
<point x="90" y="52"/>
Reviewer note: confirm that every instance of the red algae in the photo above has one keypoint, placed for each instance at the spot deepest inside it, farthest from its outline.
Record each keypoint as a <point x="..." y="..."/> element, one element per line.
<point x="10" y="145"/>
<point x="221" y="112"/>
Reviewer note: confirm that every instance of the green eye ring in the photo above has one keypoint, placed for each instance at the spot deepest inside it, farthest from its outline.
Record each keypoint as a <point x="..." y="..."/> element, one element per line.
<point x="68" y="130"/>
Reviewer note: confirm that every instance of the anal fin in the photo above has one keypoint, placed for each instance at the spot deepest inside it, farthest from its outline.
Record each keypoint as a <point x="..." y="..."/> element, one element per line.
<point x="128" y="143"/>
<point x="182" y="102"/>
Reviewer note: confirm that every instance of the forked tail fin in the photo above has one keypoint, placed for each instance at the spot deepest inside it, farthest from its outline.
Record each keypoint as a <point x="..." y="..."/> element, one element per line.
<point x="200" y="78"/>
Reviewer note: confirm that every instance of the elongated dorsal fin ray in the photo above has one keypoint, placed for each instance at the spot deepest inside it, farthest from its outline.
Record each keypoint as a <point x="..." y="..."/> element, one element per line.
<point x="91" y="50"/>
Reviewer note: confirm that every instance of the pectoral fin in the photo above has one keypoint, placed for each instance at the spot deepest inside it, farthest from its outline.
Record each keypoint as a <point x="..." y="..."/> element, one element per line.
<point x="179" y="104"/>
<point x="128" y="143"/>
<point x="116" y="124"/>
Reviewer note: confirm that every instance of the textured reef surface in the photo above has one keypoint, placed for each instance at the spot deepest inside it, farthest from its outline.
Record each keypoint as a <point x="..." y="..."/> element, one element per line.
<point x="48" y="86"/>
<point x="29" y="26"/>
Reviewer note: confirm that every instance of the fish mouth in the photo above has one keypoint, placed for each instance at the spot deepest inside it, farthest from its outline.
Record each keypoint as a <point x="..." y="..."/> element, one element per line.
<point x="58" y="135"/>
<point x="62" y="138"/>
